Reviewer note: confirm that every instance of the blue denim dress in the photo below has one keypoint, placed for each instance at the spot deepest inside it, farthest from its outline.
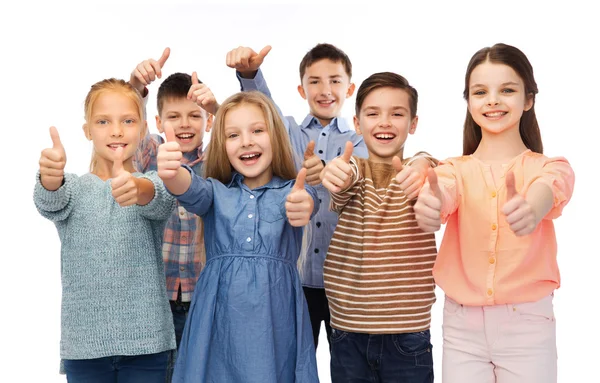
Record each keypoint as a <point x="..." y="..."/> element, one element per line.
<point x="248" y="321"/>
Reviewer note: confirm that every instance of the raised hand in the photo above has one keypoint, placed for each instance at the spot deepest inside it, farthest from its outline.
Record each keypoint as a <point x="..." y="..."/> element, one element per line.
<point x="313" y="165"/>
<point x="123" y="184"/>
<point x="245" y="60"/>
<point x="52" y="163"/>
<point x="299" y="204"/>
<point x="168" y="159"/>
<point x="337" y="175"/>
<point x="203" y="97"/>
<point x="147" y="71"/>
<point x="520" y="215"/>
<point x="408" y="178"/>
<point x="428" y="207"/>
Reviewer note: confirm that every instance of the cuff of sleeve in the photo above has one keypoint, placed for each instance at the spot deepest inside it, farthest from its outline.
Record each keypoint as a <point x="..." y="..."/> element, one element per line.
<point x="53" y="200"/>
<point x="251" y="83"/>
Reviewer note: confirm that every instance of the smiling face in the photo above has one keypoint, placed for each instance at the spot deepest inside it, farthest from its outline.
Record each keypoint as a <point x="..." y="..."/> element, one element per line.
<point x="248" y="144"/>
<point x="497" y="98"/>
<point x="325" y="85"/>
<point x="187" y="119"/>
<point x="114" y="122"/>
<point x="385" y="121"/>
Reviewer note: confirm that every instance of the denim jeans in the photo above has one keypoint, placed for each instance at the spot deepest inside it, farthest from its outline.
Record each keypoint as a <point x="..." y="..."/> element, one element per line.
<point x="150" y="368"/>
<point x="381" y="358"/>
<point x="180" y="312"/>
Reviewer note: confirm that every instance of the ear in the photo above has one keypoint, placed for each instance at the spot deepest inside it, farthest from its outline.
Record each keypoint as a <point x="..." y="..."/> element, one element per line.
<point x="350" y="91"/>
<point x="210" y="120"/>
<point x="159" y="124"/>
<point x="413" y="125"/>
<point x="86" y="131"/>
<point x="301" y="91"/>
<point x="357" y="125"/>
<point x="528" y="102"/>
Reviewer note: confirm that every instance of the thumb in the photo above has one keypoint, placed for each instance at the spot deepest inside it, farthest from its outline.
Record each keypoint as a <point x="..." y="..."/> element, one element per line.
<point x="299" y="185"/>
<point x="264" y="52"/>
<point x="169" y="133"/>
<point x="56" y="143"/>
<point x="434" y="187"/>
<point x="397" y="164"/>
<point x="195" y="78"/>
<point x="347" y="152"/>
<point x="163" y="59"/>
<point x="118" y="162"/>
<point x="511" y="191"/>
<point x="310" y="150"/>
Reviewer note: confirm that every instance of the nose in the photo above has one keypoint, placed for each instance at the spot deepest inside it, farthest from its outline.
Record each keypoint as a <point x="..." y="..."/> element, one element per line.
<point x="492" y="99"/>
<point x="384" y="121"/>
<point x="247" y="140"/>
<point x="116" y="130"/>
<point x="326" y="89"/>
<point x="185" y="122"/>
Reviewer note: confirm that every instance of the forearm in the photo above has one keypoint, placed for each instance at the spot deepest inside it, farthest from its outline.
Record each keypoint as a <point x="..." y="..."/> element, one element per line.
<point x="541" y="199"/>
<point x="180" y="183"/>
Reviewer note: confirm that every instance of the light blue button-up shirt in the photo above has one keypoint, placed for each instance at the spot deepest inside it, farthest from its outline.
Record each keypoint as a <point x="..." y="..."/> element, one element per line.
<point x="330" y="141"/>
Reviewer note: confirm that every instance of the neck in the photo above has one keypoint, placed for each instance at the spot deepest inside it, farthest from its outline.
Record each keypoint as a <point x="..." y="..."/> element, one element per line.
<point x="500" y="147"/>
<point x="324" y="122"/>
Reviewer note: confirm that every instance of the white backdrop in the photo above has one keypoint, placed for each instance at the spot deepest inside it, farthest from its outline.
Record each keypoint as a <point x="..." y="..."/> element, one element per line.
<point x="51" y="53"/>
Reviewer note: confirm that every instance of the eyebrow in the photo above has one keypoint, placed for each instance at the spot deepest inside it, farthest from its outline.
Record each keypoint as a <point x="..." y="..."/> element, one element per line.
<point x="318" y="77"/>
<point x="503" y="84"/>
<point x="378" y="108"/>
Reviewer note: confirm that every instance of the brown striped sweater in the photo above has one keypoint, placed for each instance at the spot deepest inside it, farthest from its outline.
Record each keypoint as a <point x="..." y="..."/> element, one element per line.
<point x="378" y="270"/>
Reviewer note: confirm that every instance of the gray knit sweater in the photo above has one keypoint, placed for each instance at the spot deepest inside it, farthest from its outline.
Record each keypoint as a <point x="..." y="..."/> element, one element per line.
<point x="114" y="299"/>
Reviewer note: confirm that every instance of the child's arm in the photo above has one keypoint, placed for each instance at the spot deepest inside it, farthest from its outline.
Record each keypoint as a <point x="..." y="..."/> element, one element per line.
<point x="142" y="76"/>
<point x="438" y="198"/>
<point x="340" y="176"/>
<point x="177" y="180"/>
<point x="543" y="198"/>
<point x="128" y="190"/>
<point x="300" y="206"/>
<point x="411" y="177"/>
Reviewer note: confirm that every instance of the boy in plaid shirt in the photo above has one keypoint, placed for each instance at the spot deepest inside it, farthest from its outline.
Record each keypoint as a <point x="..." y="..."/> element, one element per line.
<point x="178" y="100"/>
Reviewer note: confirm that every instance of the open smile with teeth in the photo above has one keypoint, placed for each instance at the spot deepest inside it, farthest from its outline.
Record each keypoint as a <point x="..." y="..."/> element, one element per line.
<point x="185" y="136"/>
<point x="385" y="136"/>
<point x="495" y="114"/>
<point x="117" y="145"/>
<point x="250" y="156"/>
<point x="325" y="103"/>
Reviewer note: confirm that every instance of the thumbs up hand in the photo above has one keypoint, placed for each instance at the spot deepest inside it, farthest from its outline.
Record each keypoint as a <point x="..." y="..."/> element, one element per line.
<point x="52" y="163"/>
<point x="408" y="178"/>
<point x="168" y="158"/>
<point x="147" y="71"/>
<point x="123" y="184"/>
<point x="202" y="96"/>
<point x="520" y="215"/>
<point x="428" y="207"/>
<point x="337" y="175"/>
<point x="313" y="165"/>
<point x="299" y="204"/>
<point x="246" y="61"/>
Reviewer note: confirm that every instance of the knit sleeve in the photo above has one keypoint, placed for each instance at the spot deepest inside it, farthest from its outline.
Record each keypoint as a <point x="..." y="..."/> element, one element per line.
<point x="163" y="203"/>
<point x="56" y="205"/>
<point x="340" y="199"/>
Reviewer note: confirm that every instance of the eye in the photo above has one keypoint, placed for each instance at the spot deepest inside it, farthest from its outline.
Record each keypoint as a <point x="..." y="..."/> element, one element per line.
<point x="129" y="121"/>
<point x="196" y="116"/>
<point x="102" y="122"/>
<point x="508" y="90"/>
<point x="371" y="114"/>
<point x="259" y="130"/>
<point x="313" y="82"/>
<point x="397" y="115"/>
<point x="479" y="93"/>
<point x="337" y="81"/>
<point x="232" y="135"/>
<point x="172" y="117"/>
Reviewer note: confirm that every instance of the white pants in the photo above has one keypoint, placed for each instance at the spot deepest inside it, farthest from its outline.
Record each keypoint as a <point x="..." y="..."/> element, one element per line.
<point x="499" y="344"/>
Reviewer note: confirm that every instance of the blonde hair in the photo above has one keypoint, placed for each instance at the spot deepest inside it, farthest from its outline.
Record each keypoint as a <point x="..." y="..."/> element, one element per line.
<point x="116" y="86"/>
<point x="217" y="163"/>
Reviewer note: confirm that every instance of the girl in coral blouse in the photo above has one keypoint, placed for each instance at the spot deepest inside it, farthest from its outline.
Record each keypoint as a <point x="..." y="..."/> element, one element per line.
<point x="497" y="260"/>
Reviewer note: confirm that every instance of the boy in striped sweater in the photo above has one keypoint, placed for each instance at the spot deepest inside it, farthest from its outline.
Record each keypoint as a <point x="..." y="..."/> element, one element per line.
<point x="378" y="270"/>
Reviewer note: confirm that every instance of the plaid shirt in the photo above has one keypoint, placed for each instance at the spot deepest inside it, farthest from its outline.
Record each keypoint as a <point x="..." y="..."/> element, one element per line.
<point x="183" y="241"/>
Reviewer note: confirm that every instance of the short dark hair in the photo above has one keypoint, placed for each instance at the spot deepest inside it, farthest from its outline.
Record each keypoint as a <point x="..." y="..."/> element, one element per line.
<point x="325" y="51"/>
<point x="176" y="85"/>
<point x="386" y="80"/>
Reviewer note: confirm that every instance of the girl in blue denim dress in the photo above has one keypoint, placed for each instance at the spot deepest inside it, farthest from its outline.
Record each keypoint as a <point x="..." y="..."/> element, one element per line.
<point x="248" y="321"/>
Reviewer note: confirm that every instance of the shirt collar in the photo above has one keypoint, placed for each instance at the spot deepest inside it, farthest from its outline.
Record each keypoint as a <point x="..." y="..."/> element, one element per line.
<point x="238" y="179"/>
<point x="192" y="158"/>
<point x="311" y="121"/>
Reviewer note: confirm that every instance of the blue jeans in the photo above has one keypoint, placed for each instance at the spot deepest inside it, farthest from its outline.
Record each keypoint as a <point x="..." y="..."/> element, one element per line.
<point x="180" y="313"/>
<point x="381" y="358"/>
<point x="150" y="368"/>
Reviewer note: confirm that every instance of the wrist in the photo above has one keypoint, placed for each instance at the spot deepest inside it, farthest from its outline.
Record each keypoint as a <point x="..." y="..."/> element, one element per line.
<point x="249" y="75"/>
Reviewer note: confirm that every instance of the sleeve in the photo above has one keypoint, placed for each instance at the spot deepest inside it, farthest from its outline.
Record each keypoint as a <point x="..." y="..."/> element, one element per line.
<point x="145" y="156"/>
<point x="199" y="197"/>
<point x="340" y="199"/>
<point x="258" y="83"/>
<point x="433" y="162"/>
<point x="447" y="180"/>
<point x="558" y="175"/>
<point x="56" y="205"/>
<point x="163" y="203"/>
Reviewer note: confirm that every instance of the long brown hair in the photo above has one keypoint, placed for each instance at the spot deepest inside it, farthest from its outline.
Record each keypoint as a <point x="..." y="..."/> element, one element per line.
<point x="528" y="125"/>
<point x="217" y="163"/>
<point x="116" y="86"/>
